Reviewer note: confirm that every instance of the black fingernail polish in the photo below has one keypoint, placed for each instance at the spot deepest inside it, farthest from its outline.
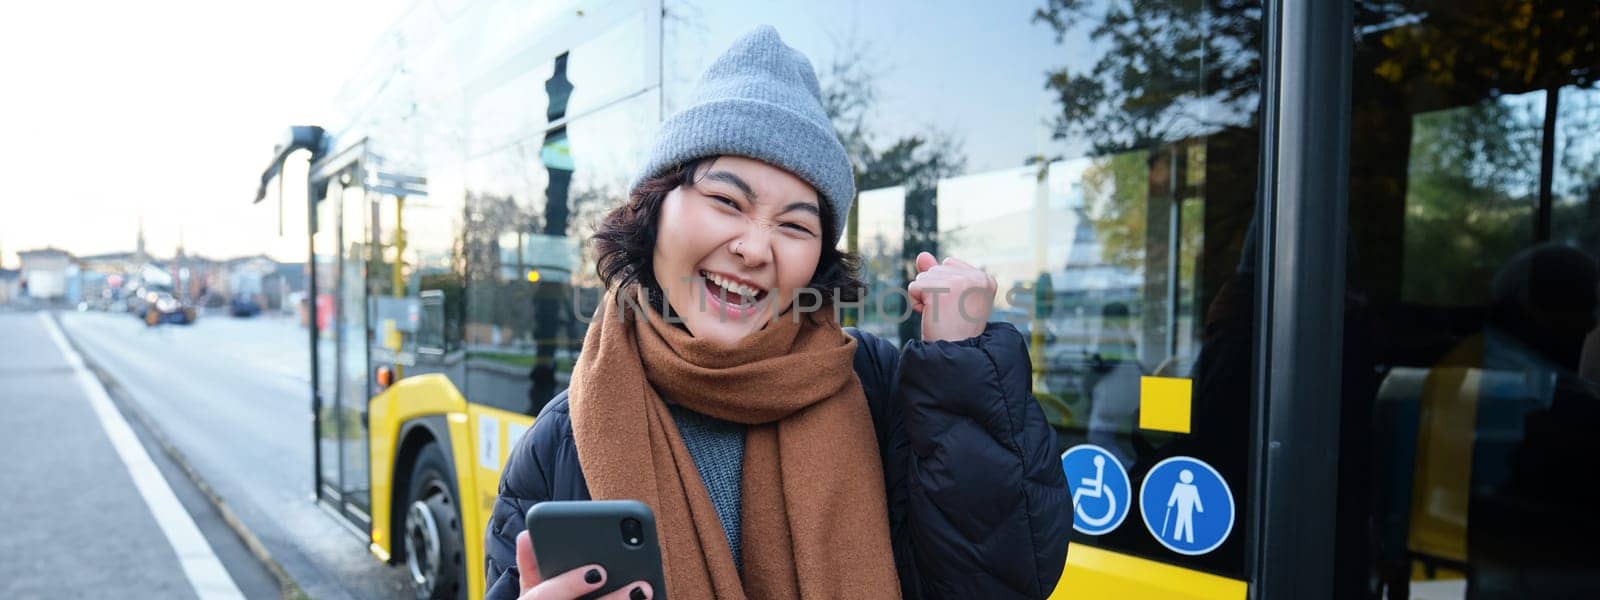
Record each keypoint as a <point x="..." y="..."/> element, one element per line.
<point x="593" y="576"/>
<point x="636" y="594"/>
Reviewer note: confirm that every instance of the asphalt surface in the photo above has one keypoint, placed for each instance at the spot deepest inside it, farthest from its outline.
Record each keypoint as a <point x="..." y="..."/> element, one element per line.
<point x="232" y="397"/>
<point x="77" y="520"/>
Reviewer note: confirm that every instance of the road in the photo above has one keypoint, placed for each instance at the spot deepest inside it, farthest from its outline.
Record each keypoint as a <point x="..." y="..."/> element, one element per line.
<point x="92" y="507"/>
<point x="231" y="395"/>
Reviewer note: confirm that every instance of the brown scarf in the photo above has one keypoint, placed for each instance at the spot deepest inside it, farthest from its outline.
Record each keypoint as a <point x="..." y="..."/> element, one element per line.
<point x="815" y="522"/>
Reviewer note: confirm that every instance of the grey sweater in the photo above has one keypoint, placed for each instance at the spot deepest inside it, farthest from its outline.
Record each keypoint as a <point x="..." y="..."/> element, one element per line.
<point x="718" y="450"/>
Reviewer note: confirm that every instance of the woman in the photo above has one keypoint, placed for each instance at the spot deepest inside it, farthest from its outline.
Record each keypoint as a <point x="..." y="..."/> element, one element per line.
<point x="784" y="457"/>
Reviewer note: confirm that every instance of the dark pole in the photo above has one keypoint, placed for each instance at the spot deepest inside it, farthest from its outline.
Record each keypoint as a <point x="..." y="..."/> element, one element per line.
<point x="311" y="326"/>
<point x="1299" y="343"/>
<point x="1177" y="164"/>
<point x="556" y="155"/>
<point x="1547" y="162"/>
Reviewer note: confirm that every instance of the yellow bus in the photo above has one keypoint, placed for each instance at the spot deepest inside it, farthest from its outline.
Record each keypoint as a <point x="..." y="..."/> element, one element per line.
<point x="1274" y="240"/>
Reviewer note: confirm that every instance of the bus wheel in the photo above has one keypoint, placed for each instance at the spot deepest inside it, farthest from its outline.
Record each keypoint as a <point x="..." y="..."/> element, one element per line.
<point x="434" y="554"/>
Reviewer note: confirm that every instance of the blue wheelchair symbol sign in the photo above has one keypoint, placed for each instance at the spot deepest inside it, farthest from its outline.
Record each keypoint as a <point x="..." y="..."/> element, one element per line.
<point x="1101" y="493"/>
<point x="1187" y="505"/>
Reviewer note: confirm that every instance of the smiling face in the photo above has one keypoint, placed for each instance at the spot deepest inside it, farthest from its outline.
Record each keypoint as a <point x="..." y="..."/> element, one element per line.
<point x="742" y="230"/>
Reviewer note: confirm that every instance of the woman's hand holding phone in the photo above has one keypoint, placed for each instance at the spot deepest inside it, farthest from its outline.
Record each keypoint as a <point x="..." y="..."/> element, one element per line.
<point x="572" y="584"/>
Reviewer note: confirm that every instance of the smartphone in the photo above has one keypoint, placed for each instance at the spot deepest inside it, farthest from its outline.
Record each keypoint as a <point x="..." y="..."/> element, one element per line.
<point x="619" y="535"/>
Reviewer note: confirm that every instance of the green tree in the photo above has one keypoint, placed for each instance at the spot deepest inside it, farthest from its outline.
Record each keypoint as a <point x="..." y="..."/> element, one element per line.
<point x="918" y="162"/>
<point x="1172" y="81"/>
<point x="1114" y="191"/>
<point x="1470" y="197"/>
<point x="1172" y="69"/>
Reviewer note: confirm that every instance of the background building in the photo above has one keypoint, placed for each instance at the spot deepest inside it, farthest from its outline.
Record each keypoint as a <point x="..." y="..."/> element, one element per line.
<point x="48" y="275"/>
<point x="10" y="289"/>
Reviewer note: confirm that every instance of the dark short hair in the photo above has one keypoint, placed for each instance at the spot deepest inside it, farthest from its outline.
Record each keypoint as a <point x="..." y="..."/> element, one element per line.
<point x="625" y="241"/>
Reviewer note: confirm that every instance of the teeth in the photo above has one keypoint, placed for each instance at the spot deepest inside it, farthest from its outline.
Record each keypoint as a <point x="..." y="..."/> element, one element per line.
<point x="732" y="286"/>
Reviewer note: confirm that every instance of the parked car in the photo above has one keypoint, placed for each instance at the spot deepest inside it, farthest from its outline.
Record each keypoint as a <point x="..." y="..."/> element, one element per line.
<point x="163" y="307"/>
<point x="244" y="305"/>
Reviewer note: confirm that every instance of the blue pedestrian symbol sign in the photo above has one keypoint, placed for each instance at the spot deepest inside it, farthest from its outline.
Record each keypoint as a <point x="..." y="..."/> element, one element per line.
<point x="1101" y="493"/>
<point x="1187" y="505"/>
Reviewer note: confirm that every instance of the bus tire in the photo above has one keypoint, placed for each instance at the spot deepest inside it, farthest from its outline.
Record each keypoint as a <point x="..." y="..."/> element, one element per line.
<point x="435" y="557"/>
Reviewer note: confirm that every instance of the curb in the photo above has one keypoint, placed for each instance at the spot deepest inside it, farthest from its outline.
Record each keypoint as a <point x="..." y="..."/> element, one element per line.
<point x="289" y="590"/>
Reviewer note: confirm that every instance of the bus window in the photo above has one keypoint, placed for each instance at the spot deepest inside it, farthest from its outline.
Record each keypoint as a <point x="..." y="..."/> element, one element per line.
<point x="1470" y="393"/>
<point x="530" y="206"/>
<point x="1116" y="234"/>
<point x="416" y="289"/>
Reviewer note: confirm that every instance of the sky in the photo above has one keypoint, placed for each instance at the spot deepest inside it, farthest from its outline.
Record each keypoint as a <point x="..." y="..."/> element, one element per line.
<point x="165" y="110"/>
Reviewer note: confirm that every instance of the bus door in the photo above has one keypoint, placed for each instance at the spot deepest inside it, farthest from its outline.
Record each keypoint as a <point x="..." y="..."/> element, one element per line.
<point x="341" y="242"/>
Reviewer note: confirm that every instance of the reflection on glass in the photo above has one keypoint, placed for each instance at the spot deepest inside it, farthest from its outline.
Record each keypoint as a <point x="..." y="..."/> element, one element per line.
<point x="1576" y="188"/>
<point x="1471" y="192"/>
<point x="352" y="321"/>
<point x="1110" y="199"/>
<point x="1469" y="410"/>
<point x="528" y="207"/>
<point x="880" y="239"/>
<point x="415" y="288"/>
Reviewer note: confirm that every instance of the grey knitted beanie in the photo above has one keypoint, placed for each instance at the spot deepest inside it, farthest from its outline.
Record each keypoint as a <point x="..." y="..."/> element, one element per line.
<point x="760" y="100"/>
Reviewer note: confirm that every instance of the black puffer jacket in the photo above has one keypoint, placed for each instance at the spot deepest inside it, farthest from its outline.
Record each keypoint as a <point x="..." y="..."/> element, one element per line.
<point x="978" y="504"/>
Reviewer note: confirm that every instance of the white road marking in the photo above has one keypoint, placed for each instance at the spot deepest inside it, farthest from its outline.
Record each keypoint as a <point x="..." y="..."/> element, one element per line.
<point x="200" y="564"/>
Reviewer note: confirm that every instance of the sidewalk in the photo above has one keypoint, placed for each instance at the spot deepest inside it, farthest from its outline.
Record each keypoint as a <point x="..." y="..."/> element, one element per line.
<point x="242" y="427"/>
<point x="88" y="513"/>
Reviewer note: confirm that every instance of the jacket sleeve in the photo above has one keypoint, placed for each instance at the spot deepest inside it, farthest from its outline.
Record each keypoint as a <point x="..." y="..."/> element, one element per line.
<point x="989" y="512"/>
<point x="523" y="483"/>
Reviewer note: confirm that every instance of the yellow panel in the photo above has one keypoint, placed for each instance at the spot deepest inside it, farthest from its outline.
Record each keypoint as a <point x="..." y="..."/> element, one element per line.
<point x="486" y="488"/>
<point x="407" y="399"/>
<point x="1096" y="573"/>
<point x="479" y="494"/>
<point x="1441" y="487"/>
<point x="1164" y="403"/>
<point x="416" y="397"/>
<point x="391" y="335"/>
<point x="1419" y="572"/>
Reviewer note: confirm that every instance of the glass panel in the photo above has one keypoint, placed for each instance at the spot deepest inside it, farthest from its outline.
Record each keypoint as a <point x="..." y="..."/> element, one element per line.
<point x="1576" y="190"/>
<point x="1470" y="387"/>
<point x="610" y="64"/>
<point x="353" y="329"/>
<point x="1470" y="197"/>
<point x="528" y="205"/>
<point x="417" y="289"/>
<point x="1105" y="176"/>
